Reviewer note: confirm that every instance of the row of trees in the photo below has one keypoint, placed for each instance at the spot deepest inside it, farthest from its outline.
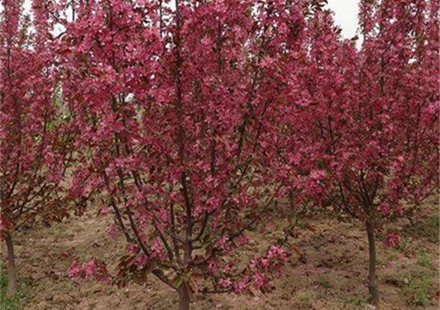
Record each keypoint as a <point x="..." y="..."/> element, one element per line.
<point x="192" y="121"/>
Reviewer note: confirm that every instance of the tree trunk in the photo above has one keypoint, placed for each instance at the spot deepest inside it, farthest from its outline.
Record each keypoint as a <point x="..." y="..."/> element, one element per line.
<point x="184" y="297"/>
<point x="12" y="271"/>
<point x="372" y="279"/>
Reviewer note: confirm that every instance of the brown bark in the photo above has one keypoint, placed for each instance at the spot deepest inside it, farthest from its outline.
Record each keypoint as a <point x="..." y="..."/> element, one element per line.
<point x="12" y="270"/>
<point x="372" y="279"/>
<point x="184" y="297"/>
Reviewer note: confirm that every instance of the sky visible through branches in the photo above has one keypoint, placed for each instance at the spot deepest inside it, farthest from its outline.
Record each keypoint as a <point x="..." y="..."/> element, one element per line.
<point x="346" y="15"/>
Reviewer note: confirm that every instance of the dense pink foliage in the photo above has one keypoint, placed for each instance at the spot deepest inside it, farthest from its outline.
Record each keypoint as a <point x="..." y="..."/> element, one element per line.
<point x="368" y="139"/>
<point x="34" y="146"/>
<point x="196" y="121"/>
<point x="178" y="112"/>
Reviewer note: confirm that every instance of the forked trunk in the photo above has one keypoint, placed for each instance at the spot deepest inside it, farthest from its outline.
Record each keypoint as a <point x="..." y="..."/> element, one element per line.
<point x="372" y="279"/>
<point x="184" y="297"/>
<point x="12" y="271"/>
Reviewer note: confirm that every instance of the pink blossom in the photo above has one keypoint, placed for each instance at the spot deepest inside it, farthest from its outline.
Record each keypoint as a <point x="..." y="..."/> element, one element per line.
<point x="132" y="248"/>
<point x="90" y="267"/>
<point x="258" y="280"/>
<point x="385" y="207"/>
<point x="243" y="240"/>
<point x="225" y="282"/>
<point x="74" y="269"/>
<point x="157" y="250"/>
<point x="103" y="211"/>
<point x="392" y="240"/>
<point x="112" y="231"/>
<point x="212" y="267"/>
<point x="242" y="285"/>
<point x="277" y="252"/>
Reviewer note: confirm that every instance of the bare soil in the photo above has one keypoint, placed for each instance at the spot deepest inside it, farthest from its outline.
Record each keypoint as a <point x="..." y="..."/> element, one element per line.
<point x="330" y="272"/>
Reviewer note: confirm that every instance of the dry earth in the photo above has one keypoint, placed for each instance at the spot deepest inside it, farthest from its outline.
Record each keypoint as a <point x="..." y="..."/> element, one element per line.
<point x="329" y="275"/>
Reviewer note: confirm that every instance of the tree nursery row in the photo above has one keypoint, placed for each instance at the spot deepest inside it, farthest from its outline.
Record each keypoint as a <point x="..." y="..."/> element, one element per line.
<point x="191" y="122"/>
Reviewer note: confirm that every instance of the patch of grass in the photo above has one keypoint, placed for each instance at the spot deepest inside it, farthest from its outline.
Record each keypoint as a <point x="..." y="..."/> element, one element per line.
<point x="420" y="287"/>
<point x="19" y="300"/>
<point x="434" y="222"/>
<point x="357" y="301"/>
<point x="426" y="228"/>
<point x="433" y="238"/>
<point x="395" y="279"/>
<point x="305" y="299"/>
<point x="55" y="229"/>
<point x="380" y="260"/>
<point x="424" y="260"/>
<point x="392" y="256"/>
<point x="322" y="281"/>
<point x="403" y="244"/>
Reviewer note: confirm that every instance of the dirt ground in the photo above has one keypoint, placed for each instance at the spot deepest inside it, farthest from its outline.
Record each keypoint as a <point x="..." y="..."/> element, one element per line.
<point x="331" y="273"/>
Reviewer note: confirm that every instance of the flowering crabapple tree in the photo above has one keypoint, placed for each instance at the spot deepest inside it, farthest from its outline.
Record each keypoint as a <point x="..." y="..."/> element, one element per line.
<point x="398" y="65"/>
<point x="34" y="150"/>
<point x="371" y="121"/>
<point x="176" y="106"/>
